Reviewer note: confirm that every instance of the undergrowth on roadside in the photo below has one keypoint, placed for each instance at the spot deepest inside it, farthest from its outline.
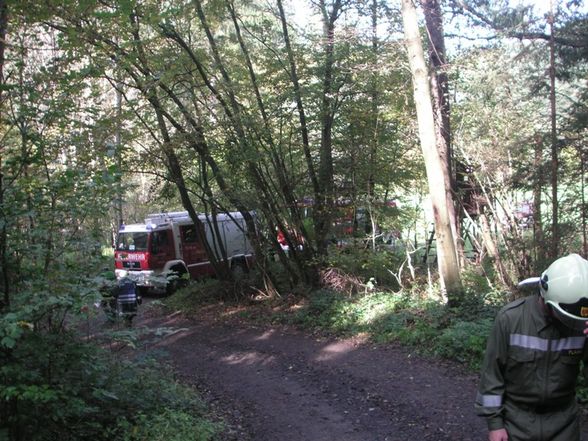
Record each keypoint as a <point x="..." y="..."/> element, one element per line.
<point x="89" y="393"/>
<point x="426" y="325"/>
<point x="413" y="315"/>
<point x="410" y="316"/>
<point x="197" y="294"/>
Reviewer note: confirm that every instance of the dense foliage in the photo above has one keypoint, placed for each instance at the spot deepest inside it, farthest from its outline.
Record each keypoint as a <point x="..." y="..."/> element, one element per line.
<point x="54" y="387"/>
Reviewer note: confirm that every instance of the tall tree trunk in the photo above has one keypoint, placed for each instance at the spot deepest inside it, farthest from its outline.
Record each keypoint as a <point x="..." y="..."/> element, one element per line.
<point x="324" y="204"/>
<point x="441" y="107"/>
<point x="374" y="101"/>
<point x="439" y="77"/>
<point x="554" y="147"/>
<point x="5" y="283"/>
<point x="299" y="103"/>
<point x="119" y="156"/>
<point x="436" y="171"/>
<point x="583" y="202"/>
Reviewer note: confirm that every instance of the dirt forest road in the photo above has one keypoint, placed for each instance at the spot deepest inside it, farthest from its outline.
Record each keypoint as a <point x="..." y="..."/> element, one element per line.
<point x="280" y="384"/>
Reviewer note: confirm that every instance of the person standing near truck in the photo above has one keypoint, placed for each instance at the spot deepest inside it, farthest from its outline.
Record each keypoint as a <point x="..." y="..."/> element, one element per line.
<point x="118" y="297"/>
<point x="127" y="299"/>
<point x="527" y="388"/>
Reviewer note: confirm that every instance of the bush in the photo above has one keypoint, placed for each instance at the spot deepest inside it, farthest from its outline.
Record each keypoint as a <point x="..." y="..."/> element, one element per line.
<point x="465" y="341"/>
<point x="192" y="297"/>
<point x="327" y="310"/>
<point x="53" y="386"/>
<point x="366" y="265"/>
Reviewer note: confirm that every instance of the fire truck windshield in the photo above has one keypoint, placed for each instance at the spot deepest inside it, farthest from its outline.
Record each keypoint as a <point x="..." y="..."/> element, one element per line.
<point x="131" y="242"/>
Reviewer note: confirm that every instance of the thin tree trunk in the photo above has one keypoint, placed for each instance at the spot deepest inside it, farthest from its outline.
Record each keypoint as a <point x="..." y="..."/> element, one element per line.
<point x="583" y="200"/>
<point x="220" y="268"/>
<point x="321" y="180"/>
<point x="374" y="101"/>
<point x="285" y="187"/>
<point x="492" y="249"/>
<point x="174" y="167"/>
<point x="554" y="146"/>
<point x="261" y="181"/>
<point x="437" y="178"/>
<point x="232" y="110"/>
<point x="119" y="155"/>
<point x="374" y="142"/>
<point x="3" y="233"/>
<point x="299" y="104"/>
<point x="324" y="204"/>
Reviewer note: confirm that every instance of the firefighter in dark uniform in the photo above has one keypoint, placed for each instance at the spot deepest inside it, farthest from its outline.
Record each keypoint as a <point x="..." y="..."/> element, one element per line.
<point x="532" y="360"/>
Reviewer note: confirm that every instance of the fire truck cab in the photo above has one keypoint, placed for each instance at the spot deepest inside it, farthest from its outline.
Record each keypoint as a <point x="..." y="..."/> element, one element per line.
<point x="169" y="248"/>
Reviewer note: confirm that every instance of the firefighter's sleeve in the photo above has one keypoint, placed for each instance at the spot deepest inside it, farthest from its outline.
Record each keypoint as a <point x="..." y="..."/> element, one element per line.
<point x="490" y="397"/>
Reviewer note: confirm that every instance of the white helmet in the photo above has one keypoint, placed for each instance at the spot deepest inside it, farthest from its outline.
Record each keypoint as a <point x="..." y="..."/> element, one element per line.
<point x="564" y="286"/>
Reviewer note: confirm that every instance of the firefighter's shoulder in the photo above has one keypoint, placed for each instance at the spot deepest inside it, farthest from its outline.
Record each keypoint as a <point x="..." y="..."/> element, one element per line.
<point x="514" y="304"/>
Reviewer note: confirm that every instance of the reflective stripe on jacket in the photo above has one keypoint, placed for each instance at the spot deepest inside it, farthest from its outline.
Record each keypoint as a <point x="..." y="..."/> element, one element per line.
<point x="530" y="359"/>
<point x="127" y="292"/>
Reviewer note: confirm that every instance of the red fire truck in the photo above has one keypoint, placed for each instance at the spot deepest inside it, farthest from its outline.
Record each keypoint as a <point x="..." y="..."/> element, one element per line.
<point x="168" y="248"/>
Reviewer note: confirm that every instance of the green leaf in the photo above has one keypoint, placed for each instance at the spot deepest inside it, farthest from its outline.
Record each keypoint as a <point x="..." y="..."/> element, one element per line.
<point x="8" y="342"/>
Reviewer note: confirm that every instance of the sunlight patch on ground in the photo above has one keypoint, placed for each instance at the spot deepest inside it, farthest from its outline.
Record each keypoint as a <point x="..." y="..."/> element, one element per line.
<point x="338" y="349"/>
<point x="174" y="315"/>
<point x="170" y="335"/>
<point x="231" y="311"/>
<point x="266" y="335"/>
<point x="247" y="358"/>
<point x="300" y="304"/>
<point x="294" y="308"/>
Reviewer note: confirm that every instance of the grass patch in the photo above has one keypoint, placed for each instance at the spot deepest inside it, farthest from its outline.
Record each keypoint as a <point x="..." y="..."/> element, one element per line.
<point x="171" y="425"/>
